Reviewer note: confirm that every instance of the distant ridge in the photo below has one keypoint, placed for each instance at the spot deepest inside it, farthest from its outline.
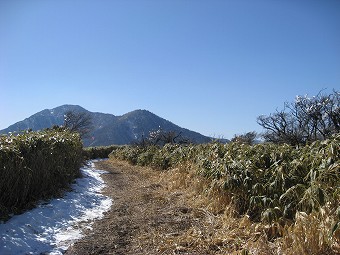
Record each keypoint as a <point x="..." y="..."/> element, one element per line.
<point x="108" y="128"/>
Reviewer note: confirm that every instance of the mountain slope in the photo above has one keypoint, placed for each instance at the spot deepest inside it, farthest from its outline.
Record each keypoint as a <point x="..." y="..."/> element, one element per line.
<point x="107" y="128"/>
<point x="44" y="119"/>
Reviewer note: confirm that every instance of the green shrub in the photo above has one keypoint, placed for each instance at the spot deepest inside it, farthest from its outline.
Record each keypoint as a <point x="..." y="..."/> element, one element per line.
<point x="98" y="152"/>
<point x="155" y="156"/>
<point x="35" y="166"/>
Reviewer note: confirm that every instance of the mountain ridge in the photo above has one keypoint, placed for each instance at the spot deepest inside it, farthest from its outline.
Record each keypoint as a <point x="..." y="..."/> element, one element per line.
<point x="107" y="128"/>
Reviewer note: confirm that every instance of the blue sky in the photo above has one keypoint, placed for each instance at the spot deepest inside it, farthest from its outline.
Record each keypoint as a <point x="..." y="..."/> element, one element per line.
<point x="210" y="66"/>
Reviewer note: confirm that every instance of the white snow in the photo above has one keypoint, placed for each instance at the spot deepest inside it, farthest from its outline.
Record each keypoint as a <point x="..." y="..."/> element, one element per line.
<point x="54" y="225"/>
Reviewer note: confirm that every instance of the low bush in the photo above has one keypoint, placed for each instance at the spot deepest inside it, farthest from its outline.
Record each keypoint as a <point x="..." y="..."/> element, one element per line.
<point x="158" y="157"/>
<point x="98" y="152"/>
<point x="35" y="166"/>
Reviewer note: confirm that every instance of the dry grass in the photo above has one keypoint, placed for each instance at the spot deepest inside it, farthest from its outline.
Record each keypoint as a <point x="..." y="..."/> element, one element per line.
<point x="217" y="229"/>
<point x="220" y="228"/>
<point x="311" y="234"/>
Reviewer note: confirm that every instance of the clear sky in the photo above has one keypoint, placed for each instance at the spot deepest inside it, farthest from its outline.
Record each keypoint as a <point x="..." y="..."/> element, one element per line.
<point x="210" y="66"/>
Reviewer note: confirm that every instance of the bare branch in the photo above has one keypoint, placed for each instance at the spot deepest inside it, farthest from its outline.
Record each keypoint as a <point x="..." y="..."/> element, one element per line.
<point x="78" y="122"/>
<point x="306" y="119"/>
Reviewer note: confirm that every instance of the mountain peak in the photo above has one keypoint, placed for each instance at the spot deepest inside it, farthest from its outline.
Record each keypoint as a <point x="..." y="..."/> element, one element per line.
<point x="69" y="107"/>
<point x="139" y="112"/>
<point x="107" y="128"/>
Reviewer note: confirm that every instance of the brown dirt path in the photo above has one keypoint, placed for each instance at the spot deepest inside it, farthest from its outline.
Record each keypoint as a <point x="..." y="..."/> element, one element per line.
<point x="147" y="218"/>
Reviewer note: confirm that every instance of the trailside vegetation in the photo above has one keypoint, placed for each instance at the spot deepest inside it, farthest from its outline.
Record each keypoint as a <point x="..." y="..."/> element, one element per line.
<point x="277" y="185"/>
<point x="35" y="166"/>
<point x="99" y="151"/>
<point x="161" y="137"/>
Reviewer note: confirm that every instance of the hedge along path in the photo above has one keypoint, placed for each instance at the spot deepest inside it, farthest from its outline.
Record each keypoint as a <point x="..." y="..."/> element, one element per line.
<point x="36" y="166"/>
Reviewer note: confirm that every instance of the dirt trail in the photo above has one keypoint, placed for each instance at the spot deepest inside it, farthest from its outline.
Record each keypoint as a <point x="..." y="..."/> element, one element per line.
<point x="145" y="218"/>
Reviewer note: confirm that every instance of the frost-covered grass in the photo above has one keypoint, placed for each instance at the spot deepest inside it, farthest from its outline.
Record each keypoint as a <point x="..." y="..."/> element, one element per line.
<point x="53" y="226"/>
<point x="35" y="166"/>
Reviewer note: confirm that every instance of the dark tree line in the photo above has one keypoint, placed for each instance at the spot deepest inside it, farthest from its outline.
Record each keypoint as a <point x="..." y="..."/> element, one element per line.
<point x="246" y="138"/>
<point x="306" y="119"/>
<point x="161" y="137"/>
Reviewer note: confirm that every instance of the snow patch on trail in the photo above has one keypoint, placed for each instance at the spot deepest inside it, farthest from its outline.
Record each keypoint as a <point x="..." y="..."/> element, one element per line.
<point x="53" y="226"/>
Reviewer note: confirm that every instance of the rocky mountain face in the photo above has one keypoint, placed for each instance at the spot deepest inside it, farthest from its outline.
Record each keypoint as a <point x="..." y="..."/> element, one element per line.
<point x="107" y="129"/>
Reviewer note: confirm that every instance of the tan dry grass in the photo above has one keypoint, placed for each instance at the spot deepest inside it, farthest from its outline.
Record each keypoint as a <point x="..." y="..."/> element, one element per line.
<point x="221" y="228"/>
<point x="217" y="229"/>
<point x="311" y="234"/>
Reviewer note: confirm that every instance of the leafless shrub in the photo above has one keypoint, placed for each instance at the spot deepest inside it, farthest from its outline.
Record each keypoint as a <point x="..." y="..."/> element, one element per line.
<point x="78" y="122"/>
<point x="306" y="119"/>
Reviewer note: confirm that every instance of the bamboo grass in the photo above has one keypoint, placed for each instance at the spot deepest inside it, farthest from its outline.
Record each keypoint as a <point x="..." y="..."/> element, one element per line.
<point x="269" y="182"/>
<point x="35" y="166"/>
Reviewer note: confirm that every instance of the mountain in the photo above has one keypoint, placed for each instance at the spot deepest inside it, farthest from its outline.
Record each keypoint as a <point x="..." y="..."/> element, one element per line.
<point x="107" y="128"/>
